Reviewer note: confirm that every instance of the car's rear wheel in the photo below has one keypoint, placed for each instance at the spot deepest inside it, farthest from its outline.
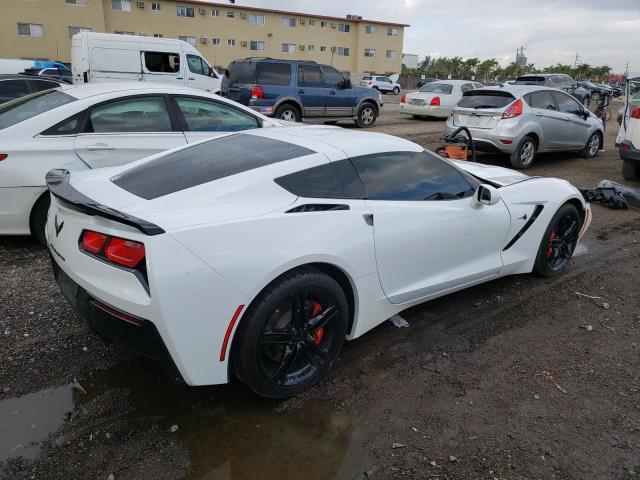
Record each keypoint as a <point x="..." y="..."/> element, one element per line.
<point x="525" y="153"/>
<point x="559" y="242"/>
<point x="590" y="150"/>
<point x="367" y="115"/>
<point x="396" y="90"/>
<point x="630" y="170"/>
<point x="38" y="218"/>
<point x="288" y="112"/>
<point x="291" y="335"/>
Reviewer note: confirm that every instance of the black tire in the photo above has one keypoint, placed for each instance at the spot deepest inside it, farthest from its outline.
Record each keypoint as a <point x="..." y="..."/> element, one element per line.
<point x="525" y="153"/>
<point x="630" y="170"/>
<point x="559" y="242"/>
<point x="288" y="112"/>
<point x="417" y="117"/>
<point x="276" y="356"/>
<point x="367" y="115"/>
<point x="594" y="143"/>
<point x="38" y="218"/>
<point x="396" y="90"/>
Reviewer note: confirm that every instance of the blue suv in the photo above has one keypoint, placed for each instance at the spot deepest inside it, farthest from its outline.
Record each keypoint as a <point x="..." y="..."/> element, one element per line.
<point x="292" y="90"/>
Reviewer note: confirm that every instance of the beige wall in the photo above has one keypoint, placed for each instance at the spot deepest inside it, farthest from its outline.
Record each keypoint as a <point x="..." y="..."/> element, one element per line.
<point x="56" y="16"/>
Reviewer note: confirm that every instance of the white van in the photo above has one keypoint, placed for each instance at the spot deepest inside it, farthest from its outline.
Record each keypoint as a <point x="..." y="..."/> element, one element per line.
<point x="106" y="57"/>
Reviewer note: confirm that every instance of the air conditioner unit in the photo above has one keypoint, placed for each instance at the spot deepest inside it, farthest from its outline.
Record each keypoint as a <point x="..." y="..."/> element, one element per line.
<point x="243" y="43"/>
<point x="301" y="47"/>
<point x="243" y="15"/>
<point x="333" y="49"/>
<point x="301" y="21"/>
<point x="140" y="3"/>
<point x="203" y="11"/>
<point x="203" y="40"/>
<point x="334" y="25"/>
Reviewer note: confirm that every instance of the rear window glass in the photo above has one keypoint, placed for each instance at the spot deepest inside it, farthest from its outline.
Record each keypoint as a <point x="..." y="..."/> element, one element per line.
<point x="529" y="80"/>
<point x="485" y="99"/>
<point x="435" y="87"/>
<point x="366" y="78"/>
<point x="28" y="107"/>
<point x="205" y="162"/>
<point x="273" y="73"/>
<point x="240" y="72"/>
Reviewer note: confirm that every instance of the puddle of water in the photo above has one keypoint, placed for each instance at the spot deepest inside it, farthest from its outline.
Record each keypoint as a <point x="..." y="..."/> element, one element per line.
<point x="28" y="420"/>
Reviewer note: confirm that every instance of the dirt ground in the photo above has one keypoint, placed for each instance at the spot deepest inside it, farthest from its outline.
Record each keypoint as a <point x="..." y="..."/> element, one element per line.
<point x="520" y="378"/>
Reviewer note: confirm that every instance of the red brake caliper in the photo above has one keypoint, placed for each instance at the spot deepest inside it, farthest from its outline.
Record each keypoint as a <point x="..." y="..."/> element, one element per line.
<point x="316" y="308"/>
<point x="552" y="236"/>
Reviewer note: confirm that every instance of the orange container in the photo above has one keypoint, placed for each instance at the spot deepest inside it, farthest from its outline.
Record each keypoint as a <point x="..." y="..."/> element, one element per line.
<point x="455" y="152"/>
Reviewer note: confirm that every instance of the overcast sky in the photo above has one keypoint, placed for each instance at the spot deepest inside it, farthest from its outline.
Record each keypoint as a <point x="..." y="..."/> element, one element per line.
<point x="552" y="31"/>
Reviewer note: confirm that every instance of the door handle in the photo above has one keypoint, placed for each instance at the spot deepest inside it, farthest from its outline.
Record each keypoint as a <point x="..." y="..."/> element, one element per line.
<point x="539" y="115"/>
<point x="191" y="78"/>
<point x="332" y="92"/>
<point x="179" y="78"/>
<point x="100" y="147"/>
<point x="301" y="92"/>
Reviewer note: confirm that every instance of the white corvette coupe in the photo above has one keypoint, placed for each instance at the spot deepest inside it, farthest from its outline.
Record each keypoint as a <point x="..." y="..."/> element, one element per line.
<point x="258" y="253"/>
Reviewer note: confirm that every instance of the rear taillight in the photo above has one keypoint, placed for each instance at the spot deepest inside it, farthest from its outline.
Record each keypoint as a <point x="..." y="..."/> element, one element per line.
<point x="435" y="102"/>
<point x="514" y="110"/>
<point x="257" y="92"/>
<point x="635" y="113"/>
<point x="3" y="156"/>
<point x="120" y="251"/>
<point x="403" y="99"/>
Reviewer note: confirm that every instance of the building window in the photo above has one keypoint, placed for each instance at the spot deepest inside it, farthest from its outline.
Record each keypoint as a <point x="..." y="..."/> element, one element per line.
<point x="215" y="42"/>
<point x="323" y="48"/>
<point x="123" y="32"/>
<point x="370" y="29"/>
<point x="185" y="11"/>
<point x="155" y="6"/>
<point x="311" y="23"/>
<point x="311" y="48"/>
<point x="391" y="54"/>
<point x="231" y="42"/>
<point x="323" y="24"/>
<point x="392" y="32"/>
<point x="121" y="5"/>
<point x="231" y="14"/>
<point x="257" y="45"/>
<point x="215" y="12"/>
<point x="74" y="30"/>
<point x="30" y="30"/>
<point x="257" y="19"/>
<point x="288" y="47"/>
<point x="370" y="52"/>
<point x="343" y="51"/>
<point x="77" y="2"/>
<point x="190" y="40"/>
<point x="158" y="35"/>
<point x="344" y="27"/>
<point x="289" y="22"/>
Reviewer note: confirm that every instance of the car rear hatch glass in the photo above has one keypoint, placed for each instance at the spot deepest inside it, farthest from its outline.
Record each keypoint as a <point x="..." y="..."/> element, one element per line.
<point x="238" y="79"/>
<point x="481" y="108"/>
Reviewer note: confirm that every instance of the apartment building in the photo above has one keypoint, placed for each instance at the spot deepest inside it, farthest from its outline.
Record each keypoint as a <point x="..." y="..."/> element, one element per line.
<point x="222" y="32"/>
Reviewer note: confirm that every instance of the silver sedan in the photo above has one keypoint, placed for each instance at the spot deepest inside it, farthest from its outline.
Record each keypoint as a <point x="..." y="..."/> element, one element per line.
<point x="523" y="120"/>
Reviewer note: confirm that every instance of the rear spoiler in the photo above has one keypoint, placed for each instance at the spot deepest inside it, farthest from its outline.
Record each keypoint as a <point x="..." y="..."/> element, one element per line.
<point x="59" y="186"/>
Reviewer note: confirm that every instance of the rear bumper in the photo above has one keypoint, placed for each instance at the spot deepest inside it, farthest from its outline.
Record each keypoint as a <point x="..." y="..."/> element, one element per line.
<point x="425" y="110"/>
<point x="15" y="208"/>
<point x="628" y="152"/>
<point x="111" y="324"/>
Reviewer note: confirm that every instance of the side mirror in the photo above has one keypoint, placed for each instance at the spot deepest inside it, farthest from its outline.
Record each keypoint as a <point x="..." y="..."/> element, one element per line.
<point x="347" y="83"/>
<point x="485" y="195"/>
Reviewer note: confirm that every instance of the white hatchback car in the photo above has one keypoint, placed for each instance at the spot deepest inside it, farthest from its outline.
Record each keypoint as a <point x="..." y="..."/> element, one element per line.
<point x="381" y="83"/>
<point x="258" y="253"/>
<point x="436" y="99"/>
<point x="628" y="139"/>
<point x="99" y="125"/>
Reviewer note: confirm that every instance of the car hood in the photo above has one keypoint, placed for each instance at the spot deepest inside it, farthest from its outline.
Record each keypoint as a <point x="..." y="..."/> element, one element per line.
<point x="498" y="175"/>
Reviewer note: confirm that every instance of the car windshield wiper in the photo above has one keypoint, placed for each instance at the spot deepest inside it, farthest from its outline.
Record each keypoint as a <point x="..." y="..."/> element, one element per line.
<point x="441" y="196"/>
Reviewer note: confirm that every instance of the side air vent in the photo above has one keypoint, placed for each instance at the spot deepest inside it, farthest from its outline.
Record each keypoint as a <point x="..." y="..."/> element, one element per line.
<point x="317" y="207"/>
<point x="532" y="218"/>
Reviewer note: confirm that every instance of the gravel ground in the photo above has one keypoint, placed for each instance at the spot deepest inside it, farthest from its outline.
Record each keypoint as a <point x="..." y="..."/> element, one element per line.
<point x="519" y="378"/>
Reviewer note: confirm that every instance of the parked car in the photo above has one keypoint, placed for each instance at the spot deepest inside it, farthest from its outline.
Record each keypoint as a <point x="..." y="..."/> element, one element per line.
<point x="107" y="57"/>
<point x="63" y="75"/>
<point x="16" y="86"/>
<point x="94" y="126"/>
<point x="381" y="83"/>
<point x="15" y="66"/>
<point x="435" y="99"/>
<point x="559" y="81"/>
<point x="628" y="139"/>
<point x="523" y="120"/>
<point x="292" y="90"/>
<point x="260" y="258"/>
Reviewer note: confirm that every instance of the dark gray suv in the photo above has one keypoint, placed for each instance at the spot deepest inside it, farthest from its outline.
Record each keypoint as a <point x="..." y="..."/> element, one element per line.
<point x="559" y="81"/>
<point x="292" y="89"/>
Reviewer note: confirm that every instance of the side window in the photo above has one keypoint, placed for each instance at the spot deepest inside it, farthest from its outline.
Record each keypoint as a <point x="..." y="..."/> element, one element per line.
<point x="542" y="100"/>
<point x="162" y="62"/>
<point x="310" y="76"/>
<point x="410" y="176"/>
<point x="196" y="65"/>
<point x="14" y="89"/>
<point x="209" y="116"/>
<point x="332" y="77"/>
<point x="330" y="180"/>
<point x="141" y="114"/>
<point x="40" y="85"/>
<point x="68" y="126"/>
<point x="269" y="73"/>
<point x="466" y="87"/>
<point x="566" y="104"/>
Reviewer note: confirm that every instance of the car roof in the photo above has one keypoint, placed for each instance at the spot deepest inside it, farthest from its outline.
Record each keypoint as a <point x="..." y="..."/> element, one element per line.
<point x="21" y="76"/>
<point x="273" y="60"/>
<point x="518" y="90"/>
<point x="92" y="89"/>
<point x="454" y="82"/>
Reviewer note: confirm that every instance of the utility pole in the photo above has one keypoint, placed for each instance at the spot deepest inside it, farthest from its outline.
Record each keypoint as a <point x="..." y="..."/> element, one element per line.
<point x="575" y="64"/>
<point x="626" y="71"/>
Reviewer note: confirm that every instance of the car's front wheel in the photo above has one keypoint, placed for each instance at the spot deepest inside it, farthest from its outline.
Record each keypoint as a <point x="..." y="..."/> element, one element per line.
<point x="367" y="115"/>
<point x="525" y="153"/>
<point x="559" y="242"/>
<point x="590" y="150"/>
<point x="396" y="90"/>
<point x="291" y="335"/>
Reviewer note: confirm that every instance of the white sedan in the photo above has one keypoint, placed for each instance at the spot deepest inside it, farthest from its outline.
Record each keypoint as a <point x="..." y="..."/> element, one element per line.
<point x="436" y="99"/>
<point x="258" y="253"/>
<point x="98" y="125"/>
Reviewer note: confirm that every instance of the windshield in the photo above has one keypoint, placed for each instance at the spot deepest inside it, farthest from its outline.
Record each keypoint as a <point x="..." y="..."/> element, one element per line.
<point x="435" y="87"/>
<point x="485" y="99"/>
<point x="27" y="107"/>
